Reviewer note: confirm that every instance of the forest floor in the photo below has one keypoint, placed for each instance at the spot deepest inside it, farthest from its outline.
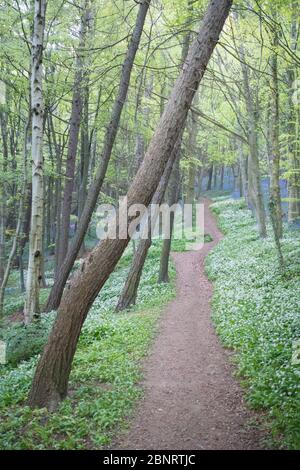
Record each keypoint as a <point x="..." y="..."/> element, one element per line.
<point x="191" y="400"/>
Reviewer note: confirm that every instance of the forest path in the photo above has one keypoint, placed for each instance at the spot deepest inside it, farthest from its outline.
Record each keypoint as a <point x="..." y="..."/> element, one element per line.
<point x="191" y="399"/>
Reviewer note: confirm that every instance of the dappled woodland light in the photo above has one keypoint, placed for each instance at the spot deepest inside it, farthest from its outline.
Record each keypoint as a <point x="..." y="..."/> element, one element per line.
<point x="182" y="101"/>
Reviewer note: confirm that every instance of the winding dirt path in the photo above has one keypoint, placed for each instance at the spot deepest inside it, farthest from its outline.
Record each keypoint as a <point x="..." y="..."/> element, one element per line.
<point x="191" y="399"/>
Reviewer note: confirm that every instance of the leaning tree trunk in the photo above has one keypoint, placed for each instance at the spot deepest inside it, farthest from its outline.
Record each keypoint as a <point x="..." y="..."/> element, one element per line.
<point x="34" y="275"/>
<point x="94" y="190"/>
<point x="130" y="289"/>
<point x="11" y="254"/>
<point x="52" y="374"/>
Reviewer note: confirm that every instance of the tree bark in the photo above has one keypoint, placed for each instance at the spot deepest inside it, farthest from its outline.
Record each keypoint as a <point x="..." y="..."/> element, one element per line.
<point x="34" y="274"/>
<point x="243" y="170"/>
<point x="235" y="173"/>
<point x="75" y="120"/>
<point x="254" y="178"/>
<point x="210" y="176"/>
<point x="174" y="186"/>
<point x="51" y="377"/>
<point x="130" y="289"/>
<point x="94" y="190"/>
<point x="11" y="256"/>
<point x="85" y="160"/>
<point x="192" y="141"/>
<point x="294" y="179"/>
<point x="222" y="178"/>
<point x="275" y="196"/>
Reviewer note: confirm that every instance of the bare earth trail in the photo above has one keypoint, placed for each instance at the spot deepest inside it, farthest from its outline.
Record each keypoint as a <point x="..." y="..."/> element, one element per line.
<point x="191" y="399"/>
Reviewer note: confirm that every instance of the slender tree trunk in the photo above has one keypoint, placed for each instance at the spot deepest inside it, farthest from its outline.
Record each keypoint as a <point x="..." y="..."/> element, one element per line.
<point x="52" y="374"/>
<point x="200" y="180"/>
<point x="24" y="236"/>
<point x="293" y="126"/>
<point x="58" y="151"/>
<point x="174" y="186"/>
<point x="254" y="179"/>
<point x="210" y="176"/>
<point x="275" y="146"/>
<point x="276" y="231"/>
<point x="75" y="121"/>
<point x="215" y="177"/>
<point x="235" y="173"/>
<point x="2" y="236"/>
<point x="85" y="160"/>
<point x="192" y="142"/>
<point x="11" y="256"/>
<point x="129" y="292"/>
<point x="34" y="275"/>
<point x="3" y="190"/>
<point x="222" y="178"/>
<point x="243" y="171"/>
<point x="94" y="190"/>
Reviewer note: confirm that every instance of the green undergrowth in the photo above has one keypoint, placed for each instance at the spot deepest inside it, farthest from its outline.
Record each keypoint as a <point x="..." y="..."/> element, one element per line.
<point x="106" y="373"/>
<point x="256" y="311"/>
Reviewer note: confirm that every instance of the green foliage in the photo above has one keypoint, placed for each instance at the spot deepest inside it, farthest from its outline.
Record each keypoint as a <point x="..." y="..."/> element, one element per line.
<point x="256" y="312"/>
<point x="106" y="372"/>
<point x="23" y="342"/>
<point x="15" y="303"/>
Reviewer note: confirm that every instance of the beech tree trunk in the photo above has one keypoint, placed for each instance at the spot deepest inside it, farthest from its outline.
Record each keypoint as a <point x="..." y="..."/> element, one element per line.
<point x="199" y="182"/>
<point x="24" y="236"/>
<point x="221" y="186"/>
<point x="34" y="274"/>
<point x="235" y="173"/>
<point x="292" y="75"/>
<point x="94" y="190"/>
<point x="275" y="196"/>
<point x="243" y="170"/>
<point x="192" y="142"/>
<point x="85" y="160"/>
<point x="210" y="176"/>
<point x="3" y="192"/>
<point x="254" y="177"/>
<point x="50" y="382"/>
<point x="75" y="120"/>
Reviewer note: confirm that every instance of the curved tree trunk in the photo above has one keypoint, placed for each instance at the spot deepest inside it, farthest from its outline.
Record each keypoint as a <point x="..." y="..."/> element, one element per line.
<point x="52" y="374"/>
